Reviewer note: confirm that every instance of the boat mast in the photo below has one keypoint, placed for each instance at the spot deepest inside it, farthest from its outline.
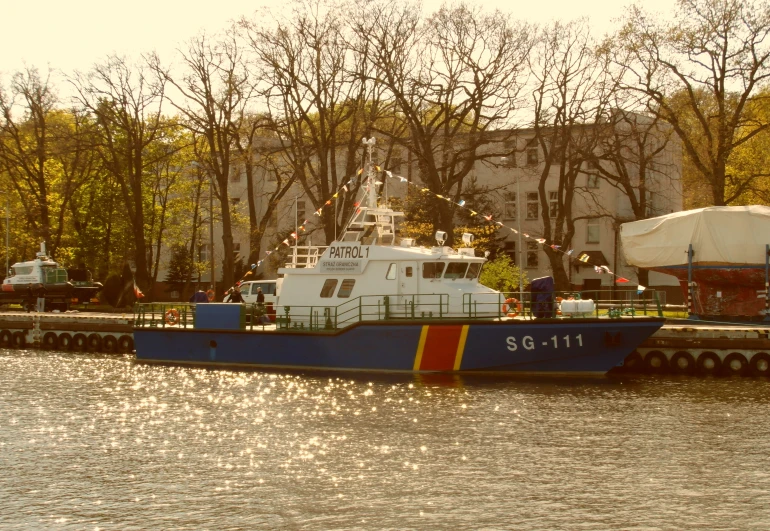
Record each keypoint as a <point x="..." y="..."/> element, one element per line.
<point x="371" y="199"/>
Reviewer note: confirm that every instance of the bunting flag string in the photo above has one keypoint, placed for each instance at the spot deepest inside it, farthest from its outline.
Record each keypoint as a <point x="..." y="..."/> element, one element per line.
<point x="347" y="185"/>
<point x="584" y="258"/>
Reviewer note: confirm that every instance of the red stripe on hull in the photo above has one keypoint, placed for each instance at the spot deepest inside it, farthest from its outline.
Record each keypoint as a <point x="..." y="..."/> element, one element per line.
<point x="440" y="348"/>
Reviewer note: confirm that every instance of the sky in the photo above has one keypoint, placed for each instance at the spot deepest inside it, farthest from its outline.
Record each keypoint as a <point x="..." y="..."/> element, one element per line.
<point x="76" y="34"/>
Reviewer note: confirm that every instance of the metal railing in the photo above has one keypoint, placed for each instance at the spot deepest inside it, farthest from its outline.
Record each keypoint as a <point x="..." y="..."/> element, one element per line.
<point x="413" y="307"/>
<point x="305" y="255"/>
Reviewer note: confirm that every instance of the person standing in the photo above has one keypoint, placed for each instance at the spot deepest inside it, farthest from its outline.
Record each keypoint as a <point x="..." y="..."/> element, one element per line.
<point x="236" y="296"/>
<point x="40" y="298"/>
<point x="260" y="297"/>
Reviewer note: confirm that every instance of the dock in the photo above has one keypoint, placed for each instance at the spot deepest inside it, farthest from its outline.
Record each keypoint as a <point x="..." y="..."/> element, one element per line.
<point x="78" y="331"/>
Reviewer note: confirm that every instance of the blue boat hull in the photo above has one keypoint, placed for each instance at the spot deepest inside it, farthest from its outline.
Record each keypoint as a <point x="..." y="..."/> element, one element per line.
<point x="578" y="346"/>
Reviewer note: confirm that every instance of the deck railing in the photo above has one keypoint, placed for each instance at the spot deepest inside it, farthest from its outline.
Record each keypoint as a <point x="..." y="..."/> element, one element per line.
<point x="411" y="307"/>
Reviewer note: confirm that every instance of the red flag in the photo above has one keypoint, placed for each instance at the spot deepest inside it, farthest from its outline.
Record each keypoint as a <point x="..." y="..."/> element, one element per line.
<point x="621" y="279"/>
<point x="137" y="292"/>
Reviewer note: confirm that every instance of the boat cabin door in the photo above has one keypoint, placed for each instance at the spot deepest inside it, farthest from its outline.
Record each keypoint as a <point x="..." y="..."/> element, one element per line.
<point x="407" y="286"/>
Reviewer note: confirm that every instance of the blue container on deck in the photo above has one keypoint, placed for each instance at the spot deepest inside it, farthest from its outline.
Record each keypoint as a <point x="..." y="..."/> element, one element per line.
<point x="220" y="316"/>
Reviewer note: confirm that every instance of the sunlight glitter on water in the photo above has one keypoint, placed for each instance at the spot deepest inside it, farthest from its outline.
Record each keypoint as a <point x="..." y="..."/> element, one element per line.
<point x="91" y="441"/>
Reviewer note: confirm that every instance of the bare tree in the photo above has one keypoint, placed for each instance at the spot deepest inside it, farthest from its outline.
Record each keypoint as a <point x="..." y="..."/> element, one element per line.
<point x="214" y="91"/>
<point x="699" y="74"/>
<point x="127" y="104"/>
<point x="319" y="105"/>
<point x="636" y="155"/>
<point x="571" y="90"/>
<point x="453" y="83"/>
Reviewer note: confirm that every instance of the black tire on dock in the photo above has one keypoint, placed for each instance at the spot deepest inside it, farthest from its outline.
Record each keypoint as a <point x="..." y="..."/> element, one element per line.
<point x="65" y="341"/>
<point x="126" y="344"/>
<point x="94" y="343"/>
<point x="79" y="342"/>
<point x="19" y="339"/>
<point x="633" y="362"/>
<point x="709" y="363"/>
<point x="655" y="361"/>
<point x="682" y="362"/>
<point x="51" y="341"/>
<point x="735" y="364"/>
<point x="5" y="338"/>
<point x="760" y="364"/>
<point x="109" y="344"/>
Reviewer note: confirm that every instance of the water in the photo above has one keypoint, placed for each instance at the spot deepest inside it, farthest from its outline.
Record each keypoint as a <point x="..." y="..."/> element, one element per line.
<point x="99" y="442"/>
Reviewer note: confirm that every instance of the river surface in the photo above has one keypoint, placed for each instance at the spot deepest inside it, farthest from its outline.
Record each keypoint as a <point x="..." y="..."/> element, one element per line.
<point x="100" y="442"/>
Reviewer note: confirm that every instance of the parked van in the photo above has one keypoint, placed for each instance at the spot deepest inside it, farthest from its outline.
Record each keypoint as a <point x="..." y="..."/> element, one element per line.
<point x="249" y="291"/>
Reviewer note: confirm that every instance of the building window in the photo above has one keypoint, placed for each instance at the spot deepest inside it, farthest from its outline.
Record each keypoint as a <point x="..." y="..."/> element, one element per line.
<point x="532" y="152"/>
<point x="235" y="175"/>
<point x="300" y="211"/>
<point x="592" y="231"/>
<point x="236" y="251"/>
<point x="328" y="288"/>
<point x="204" y="252"/>
<point x="532" y="254"/>
<point x="553" y="204"/>
<point x="346" y="288"/>
<point x="509" y="208"/>
<point x="592" y="181"/>
<point x="509" y="160"/>
<point x="391" y="274"/>
<point x="532" y="205"/>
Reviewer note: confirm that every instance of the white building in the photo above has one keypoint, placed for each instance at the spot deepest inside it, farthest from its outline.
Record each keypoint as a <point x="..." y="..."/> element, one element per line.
<point x="598" y="209"/>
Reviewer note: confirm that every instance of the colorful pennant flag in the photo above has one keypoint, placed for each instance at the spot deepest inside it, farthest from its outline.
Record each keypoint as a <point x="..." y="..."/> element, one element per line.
<point x="583" y="258"/>
<point x="621" y="280"/>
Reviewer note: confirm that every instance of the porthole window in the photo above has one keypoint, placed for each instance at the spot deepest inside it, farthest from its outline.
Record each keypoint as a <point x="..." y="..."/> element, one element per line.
<point x="346" y="288"/>
<point x="328" y="288"/>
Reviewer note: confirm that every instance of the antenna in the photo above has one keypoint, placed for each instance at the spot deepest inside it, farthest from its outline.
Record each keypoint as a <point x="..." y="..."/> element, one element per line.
<point x="371" y="200"/>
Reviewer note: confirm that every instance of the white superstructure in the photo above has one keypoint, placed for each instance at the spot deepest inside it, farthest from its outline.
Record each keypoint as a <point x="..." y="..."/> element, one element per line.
<point x="392" y="277"/>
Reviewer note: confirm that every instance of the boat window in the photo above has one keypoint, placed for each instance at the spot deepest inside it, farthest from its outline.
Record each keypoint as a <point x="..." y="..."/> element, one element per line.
<point x="54" y="275"/>
<point x="408" y="271"/>
<point x="22" y="270"/>
<point x="391" y="272"/>
<point x="432" y="269"/>
<point x="473" y="270"/>
<point x="455" y="270"/>
<point x="328" y="289"/>
<point x="346" y="288"/>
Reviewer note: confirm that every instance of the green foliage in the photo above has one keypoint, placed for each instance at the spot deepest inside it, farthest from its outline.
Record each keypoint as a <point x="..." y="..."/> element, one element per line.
<point x="502" y="275"/>
<point x="179" y="269"/>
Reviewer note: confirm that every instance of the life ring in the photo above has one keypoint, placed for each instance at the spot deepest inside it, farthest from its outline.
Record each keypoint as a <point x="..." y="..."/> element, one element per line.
<point x="172" y="317"/>
<point x="511" y="307"/>
<point x="210" y="294"/>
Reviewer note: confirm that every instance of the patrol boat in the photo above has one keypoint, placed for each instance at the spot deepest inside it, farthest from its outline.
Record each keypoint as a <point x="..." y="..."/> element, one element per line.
<point x="45" y="278"/>
<point x="375" y="302"/>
